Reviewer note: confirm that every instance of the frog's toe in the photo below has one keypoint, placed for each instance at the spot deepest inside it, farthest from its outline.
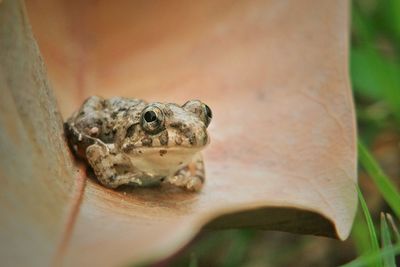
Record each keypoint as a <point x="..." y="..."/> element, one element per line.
<point x="194" y="184"/>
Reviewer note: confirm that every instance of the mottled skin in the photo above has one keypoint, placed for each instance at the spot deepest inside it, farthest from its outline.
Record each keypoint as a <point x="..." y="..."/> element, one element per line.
<point x="128" y="141"/>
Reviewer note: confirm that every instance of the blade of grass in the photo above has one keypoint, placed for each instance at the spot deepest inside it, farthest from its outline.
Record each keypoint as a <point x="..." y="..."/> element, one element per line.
<point x="394" y="227"/>
<point x="193" y="260"/>
<point x="371" y="228"/>
<point x="389" y="258"/>
<point x="360" y="239"/>
<point x="385" y="186"/>
<point x="373" y="257"/>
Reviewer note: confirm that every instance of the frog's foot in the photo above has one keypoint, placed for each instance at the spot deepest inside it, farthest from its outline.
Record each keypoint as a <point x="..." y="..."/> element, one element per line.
<point x="190" y="177"/>
<point x="112" y="170"/>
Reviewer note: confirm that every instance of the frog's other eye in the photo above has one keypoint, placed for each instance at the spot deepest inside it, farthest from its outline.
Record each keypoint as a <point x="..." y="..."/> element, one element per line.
<point x="200" y="109"/>
<point x="152" y="119"/>
<point x="208" y="112"/>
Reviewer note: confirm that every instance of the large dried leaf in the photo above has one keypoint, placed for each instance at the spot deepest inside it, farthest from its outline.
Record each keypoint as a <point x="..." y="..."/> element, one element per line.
<point x="36" y="169"/>
<point x="282" y="154"/>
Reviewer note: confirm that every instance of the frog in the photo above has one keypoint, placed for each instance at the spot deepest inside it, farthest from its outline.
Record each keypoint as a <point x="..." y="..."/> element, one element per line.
<point x="127" y="141"/>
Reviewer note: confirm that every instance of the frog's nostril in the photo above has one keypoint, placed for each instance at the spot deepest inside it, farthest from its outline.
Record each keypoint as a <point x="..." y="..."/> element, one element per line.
<point x="150" y="116"/>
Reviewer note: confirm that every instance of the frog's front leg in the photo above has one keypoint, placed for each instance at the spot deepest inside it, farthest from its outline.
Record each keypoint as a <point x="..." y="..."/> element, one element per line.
<point x="191" y="177"/>
<point x="111" y="169"/>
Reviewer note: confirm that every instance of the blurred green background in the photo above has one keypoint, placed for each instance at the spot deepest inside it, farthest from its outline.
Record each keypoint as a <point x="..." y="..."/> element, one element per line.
<point x="375" y="74"/>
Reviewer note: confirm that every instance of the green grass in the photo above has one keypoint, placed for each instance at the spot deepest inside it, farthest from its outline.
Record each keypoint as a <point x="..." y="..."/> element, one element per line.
<point x="382" y="182"/>
<point x="386" y="255"/>
<point x="375" y="75"/>
<point x="375" y="256"/>
<point x="386" y="239"/>
<point x="374" y="245"/>
<point x="371" y="258"/>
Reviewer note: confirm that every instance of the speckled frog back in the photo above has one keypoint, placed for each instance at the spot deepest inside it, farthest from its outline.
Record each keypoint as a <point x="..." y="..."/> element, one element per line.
<point x="96" y="118"/>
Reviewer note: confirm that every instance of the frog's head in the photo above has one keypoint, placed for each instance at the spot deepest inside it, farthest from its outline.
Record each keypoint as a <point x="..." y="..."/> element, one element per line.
<point x="167" y="135"/>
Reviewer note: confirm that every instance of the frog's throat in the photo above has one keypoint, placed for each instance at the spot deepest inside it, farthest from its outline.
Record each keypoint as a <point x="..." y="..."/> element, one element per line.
<point x="163" y="162"/>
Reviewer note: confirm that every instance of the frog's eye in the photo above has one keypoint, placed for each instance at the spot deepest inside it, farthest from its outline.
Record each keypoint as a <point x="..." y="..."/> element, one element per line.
<point x="208" y="112"/>
<point x="152" y="119"/>
<point x="200" y="109"/>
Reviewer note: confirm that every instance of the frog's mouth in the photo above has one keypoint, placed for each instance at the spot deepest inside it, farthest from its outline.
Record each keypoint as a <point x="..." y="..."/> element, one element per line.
<point x="164" y="161"/>
<point x="167" y="139"/>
